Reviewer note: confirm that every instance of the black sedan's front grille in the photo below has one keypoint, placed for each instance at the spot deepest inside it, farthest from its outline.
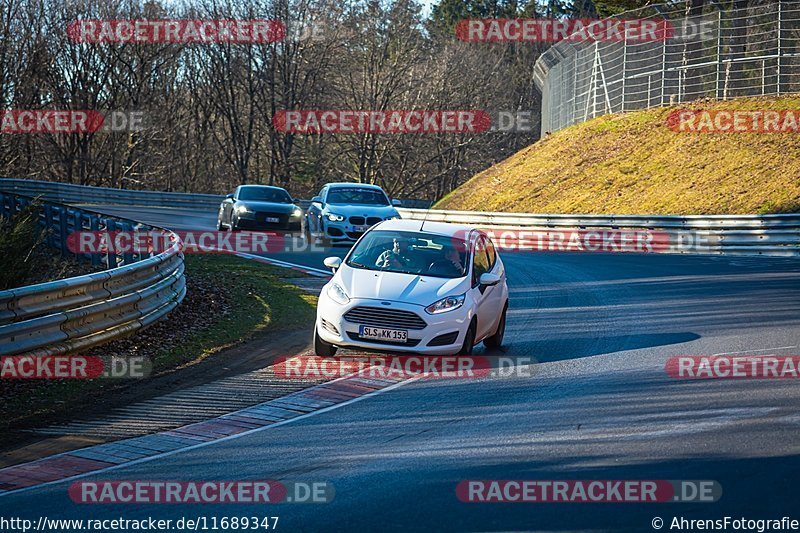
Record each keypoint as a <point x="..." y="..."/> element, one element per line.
<point x="262" y="216"/>
<point x="384" y="318"/>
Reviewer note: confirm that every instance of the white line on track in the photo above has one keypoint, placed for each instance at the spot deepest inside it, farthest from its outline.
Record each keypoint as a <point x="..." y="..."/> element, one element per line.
<point x="223" y="439"/>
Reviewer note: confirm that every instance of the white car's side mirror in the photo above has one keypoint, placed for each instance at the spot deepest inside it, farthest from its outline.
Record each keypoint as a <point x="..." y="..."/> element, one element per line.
<point x="335" y="262"/>
<point x="488" y="279"/>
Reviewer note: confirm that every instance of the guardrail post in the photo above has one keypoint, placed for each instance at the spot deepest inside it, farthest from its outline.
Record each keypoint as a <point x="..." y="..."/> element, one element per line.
<point x="94" y="225"/>
<point x="111" y="255"/>
<point x="127" y="257"/>
<point x="77" y="228"/>
<point x="48" y="223"/>
<point x="62" y="230"/>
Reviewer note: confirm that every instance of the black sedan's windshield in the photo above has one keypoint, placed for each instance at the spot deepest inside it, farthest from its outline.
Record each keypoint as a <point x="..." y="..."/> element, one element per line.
<point x="264" y="194"/>
<point x="411" y="252"/>
<point x="357" y="196"/>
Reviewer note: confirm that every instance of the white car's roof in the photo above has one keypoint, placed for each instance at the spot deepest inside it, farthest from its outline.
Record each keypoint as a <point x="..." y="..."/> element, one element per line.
<point x="436" y="228"/>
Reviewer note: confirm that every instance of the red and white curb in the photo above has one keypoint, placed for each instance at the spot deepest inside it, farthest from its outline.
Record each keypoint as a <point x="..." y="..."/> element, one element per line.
<point x="83" y="462"/>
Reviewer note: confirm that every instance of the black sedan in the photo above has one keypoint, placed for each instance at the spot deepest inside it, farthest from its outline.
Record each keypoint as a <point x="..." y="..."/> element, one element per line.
<point x="259" y="207"/>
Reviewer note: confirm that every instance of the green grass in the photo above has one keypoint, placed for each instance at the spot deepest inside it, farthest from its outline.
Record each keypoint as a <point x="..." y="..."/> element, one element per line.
<point x="632" y="163"/>
<point x="259" y="301"/>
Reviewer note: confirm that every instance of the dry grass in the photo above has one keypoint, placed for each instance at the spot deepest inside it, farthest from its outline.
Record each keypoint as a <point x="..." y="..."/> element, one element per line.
<point x="632" y="163"/>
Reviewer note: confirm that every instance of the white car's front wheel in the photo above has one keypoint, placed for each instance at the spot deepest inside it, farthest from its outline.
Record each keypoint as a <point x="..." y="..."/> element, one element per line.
<point x="496" y="340"/>
<point x="321" y="347"/>
<point x="469" y="340"/>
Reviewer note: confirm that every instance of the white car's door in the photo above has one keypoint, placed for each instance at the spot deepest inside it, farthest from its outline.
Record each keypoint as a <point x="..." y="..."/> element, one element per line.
<point x="485" y="297"/>
<point x="494" y="294"/>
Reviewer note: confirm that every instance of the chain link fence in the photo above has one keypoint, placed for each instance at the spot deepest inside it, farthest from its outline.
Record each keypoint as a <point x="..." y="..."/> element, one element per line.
<point x="710" y="52"/>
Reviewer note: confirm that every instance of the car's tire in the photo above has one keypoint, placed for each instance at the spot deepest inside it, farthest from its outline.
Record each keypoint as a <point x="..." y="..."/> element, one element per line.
<point x="234" y="226"/>
<point x="220" y="225"/>
<point x="496" y="340"/>
<point x="323" y="348"/>
<point x="469" y="340"/>
<point x="295" y="226"/>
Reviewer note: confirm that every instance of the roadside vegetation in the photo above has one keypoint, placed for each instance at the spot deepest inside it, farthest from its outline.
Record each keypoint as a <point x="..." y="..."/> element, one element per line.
<point x="229" y="300"/>
<point x="632" y="163"/>
<point x="20" y="237"/>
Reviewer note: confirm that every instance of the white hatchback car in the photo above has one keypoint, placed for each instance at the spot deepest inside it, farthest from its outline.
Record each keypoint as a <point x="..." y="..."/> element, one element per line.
<point x="410" y="286"/>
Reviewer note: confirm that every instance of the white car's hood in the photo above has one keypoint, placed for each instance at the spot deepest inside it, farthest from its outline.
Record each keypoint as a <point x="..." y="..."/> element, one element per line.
<point x="392" y="286"/>
<point x="347" y="210"/>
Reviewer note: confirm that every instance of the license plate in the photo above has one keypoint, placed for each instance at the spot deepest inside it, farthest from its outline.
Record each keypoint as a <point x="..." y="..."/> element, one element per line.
<point x="360" y="229"/>
<point x="383" y="334"/>
<point x="273" y="220"/>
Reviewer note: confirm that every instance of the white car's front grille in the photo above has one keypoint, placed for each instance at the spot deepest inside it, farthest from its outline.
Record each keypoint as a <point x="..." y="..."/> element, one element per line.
<point x="385" y="318"/>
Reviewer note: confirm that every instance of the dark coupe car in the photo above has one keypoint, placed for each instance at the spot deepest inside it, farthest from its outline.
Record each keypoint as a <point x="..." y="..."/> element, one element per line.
<point x="259" y="207"/>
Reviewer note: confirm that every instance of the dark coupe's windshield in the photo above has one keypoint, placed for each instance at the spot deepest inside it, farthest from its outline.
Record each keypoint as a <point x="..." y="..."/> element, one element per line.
<point x="264" y="194"/>
<point x="357" y="196"/>
<point x="411" y="252"/>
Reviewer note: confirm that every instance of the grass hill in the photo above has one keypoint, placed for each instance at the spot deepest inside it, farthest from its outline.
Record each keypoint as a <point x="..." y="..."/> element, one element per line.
<point x="633" y="163"/>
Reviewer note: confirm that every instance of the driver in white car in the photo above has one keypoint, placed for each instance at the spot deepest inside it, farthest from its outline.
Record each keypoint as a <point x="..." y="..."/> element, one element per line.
<point x="396" y="257"/>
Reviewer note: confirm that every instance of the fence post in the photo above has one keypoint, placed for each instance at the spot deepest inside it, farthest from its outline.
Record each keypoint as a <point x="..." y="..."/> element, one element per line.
<point x="624" y="68"/>
<point x="780" y="48"/>
<point x="719" y="53"/>
<point x="663" y="68"/>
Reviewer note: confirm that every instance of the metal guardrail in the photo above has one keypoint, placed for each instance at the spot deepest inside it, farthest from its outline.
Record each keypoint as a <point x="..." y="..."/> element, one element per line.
<point x="776" y="235"/>
<point x="68" y="193"/>
<point x="69" y="315"/>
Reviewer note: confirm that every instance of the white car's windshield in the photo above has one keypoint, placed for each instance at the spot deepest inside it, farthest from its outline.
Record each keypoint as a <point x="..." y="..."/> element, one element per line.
<point x="411" y="252"/>
<point x="357" y="196"/>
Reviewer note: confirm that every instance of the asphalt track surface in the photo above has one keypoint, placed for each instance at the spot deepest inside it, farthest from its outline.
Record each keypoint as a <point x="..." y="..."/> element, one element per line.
<point x="593" y="402"/>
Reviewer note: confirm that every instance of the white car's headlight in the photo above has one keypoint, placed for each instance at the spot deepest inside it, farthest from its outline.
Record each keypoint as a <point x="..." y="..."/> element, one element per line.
<point x="446" y="304"/>
<point x="333" y="217"/>
<point x="337" y="294"/>
<point x="297" y="213"/>
<point x="243" y="209"/>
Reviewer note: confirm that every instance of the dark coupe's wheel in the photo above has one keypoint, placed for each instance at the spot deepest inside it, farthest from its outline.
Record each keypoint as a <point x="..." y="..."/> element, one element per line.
<point x="322" y="348"/>
<point x="469" y="340"/>
<point x="496" y="340"/>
